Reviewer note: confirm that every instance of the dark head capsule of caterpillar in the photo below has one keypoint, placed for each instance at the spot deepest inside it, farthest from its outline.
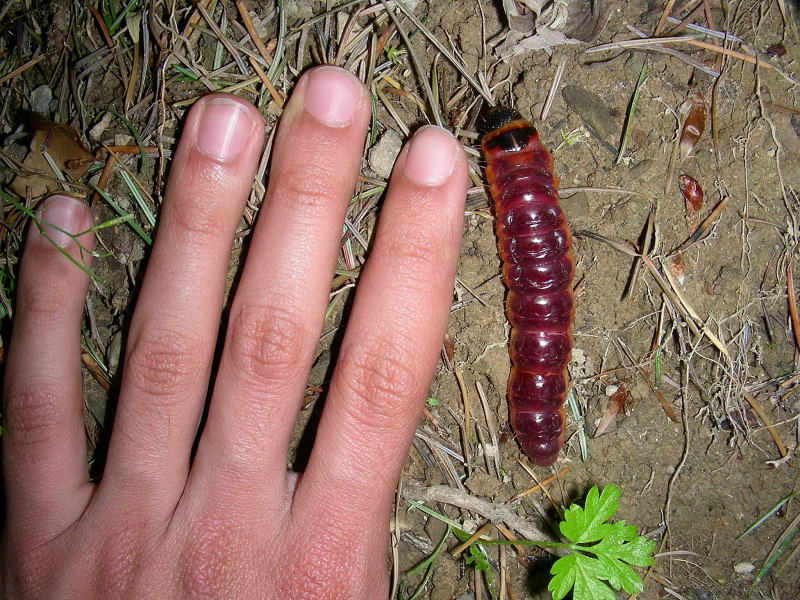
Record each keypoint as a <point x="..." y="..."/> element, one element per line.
<point x="505" y="130"/>
<point x="494" y="117"/>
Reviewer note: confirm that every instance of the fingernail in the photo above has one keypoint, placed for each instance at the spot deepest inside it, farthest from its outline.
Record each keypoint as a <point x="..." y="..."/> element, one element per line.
<point x="432" y="155"/>
<point x="333" y="95"/>
<point x="60" y="218"/>
<point x="225" y="128"/>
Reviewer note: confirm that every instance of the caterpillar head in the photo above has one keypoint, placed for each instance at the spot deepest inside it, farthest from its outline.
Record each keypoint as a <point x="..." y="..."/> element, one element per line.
<point x="495" y="117"/>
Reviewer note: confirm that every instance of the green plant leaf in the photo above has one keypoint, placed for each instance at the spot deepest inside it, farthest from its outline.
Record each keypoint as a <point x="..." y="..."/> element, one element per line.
<point x="478" y="559"/>
<point x="582" y="573"/>
<point x="581" y="525"/>
<point x="610" y="559"/>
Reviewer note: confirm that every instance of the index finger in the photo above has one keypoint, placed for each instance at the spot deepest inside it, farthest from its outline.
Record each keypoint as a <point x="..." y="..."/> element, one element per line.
<point x="390" y="348"/>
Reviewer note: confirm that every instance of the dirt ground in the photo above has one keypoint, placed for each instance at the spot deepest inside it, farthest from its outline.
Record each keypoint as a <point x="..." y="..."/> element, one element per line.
<point x="686" y="371"/>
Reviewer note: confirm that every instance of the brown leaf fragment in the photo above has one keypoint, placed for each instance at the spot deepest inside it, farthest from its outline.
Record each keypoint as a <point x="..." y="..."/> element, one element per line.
<point x="693" y="126"/>
<point x="63" y="145"/>
<point x="616" y="404"/>
<point x="677" y="267"/>
<point x="693" y="195"/>
<point x="776" y="51"/>
<point x="691" y="191"/>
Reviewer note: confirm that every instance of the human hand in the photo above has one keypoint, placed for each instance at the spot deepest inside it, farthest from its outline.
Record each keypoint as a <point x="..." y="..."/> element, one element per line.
<point x="230" y="522"/>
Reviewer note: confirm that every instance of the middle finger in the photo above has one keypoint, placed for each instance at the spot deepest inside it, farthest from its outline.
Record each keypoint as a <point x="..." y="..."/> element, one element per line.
<point x="277" y="314"/>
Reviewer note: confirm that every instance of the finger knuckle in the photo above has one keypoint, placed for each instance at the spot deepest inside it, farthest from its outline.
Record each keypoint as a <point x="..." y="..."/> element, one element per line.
<point x="379" y="383"/>
<point x="163" y="362"/>
<point x="201" y="220"/>
<point x="267" y="343"/>
<point x="416" y="256"/>
<point x="309" y="188"/>
<point x="45" y="306"/>
<point x="34" y="416"/>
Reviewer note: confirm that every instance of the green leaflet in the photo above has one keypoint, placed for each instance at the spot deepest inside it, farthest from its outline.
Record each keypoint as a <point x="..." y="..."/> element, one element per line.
<point x="608" y="560"/>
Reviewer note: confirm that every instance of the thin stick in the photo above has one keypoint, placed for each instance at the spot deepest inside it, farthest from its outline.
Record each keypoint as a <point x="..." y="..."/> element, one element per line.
<point x="251" y="30"/>
<point x="493" y="512"/>
<point x="663" y="19"/>
<point x="22" y="68"/>
<point x="276" y="95"/>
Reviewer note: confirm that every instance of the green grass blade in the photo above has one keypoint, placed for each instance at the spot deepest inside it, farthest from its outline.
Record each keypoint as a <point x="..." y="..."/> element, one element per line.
<point x="631" y="110"/>
<point x="428" y="564"/>
<point x="766" y="515"/>
<point x="140" y="201"/>
<point x="134" y="225"/>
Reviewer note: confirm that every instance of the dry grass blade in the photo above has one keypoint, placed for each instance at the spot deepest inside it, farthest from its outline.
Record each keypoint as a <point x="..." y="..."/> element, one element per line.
<point x="447" y="54"/>
<point x="490" y="425"/>
<point x="684" y="303"/>
<point x="540" y="485"/>
<point x="662" y="21"/>
<point x="554" y="87"/>
<point x="792" y="299"/>
<point x="96" y="371"/>
<point x="704" y="228"/>
<point x="22" y="68"/>
<point x="617" y="245"/>
<point x="646" y="241"/>
<point x="762" y="416"/>
<point x="421" y="73"/>
<point x="467" y="438"/>
<point x="251" y="31"/>
<point x="276" y="95"/>
<point x="665" y="406"/>
<point x="472" y="539"/>
<point x="223" y="39"/>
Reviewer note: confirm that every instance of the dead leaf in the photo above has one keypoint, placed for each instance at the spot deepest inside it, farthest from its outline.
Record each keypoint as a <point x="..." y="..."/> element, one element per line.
<point x="615" y="406"/>
<point x="540" y="25"/>
<point x="62" y="145"/>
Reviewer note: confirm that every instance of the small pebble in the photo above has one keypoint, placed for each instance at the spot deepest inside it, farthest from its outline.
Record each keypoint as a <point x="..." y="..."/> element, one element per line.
<point x="743" y="568"/>
<point x="40" y="99"/>
<point x="382" y="155"/>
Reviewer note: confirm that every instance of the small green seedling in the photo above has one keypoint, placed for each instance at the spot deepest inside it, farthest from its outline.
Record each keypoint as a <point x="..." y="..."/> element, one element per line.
<point x="602" y="552"/>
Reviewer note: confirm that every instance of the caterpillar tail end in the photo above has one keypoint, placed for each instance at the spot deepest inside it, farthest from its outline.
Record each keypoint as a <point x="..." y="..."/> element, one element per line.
<point x="541" y="452"/>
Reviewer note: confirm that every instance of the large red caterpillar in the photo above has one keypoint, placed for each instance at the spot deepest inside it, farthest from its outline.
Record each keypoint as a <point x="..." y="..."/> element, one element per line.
<point x="536" y="250"/>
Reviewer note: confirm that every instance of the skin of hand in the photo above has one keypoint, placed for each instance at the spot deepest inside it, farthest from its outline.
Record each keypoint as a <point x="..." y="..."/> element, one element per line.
<point x="231" y="522"/>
